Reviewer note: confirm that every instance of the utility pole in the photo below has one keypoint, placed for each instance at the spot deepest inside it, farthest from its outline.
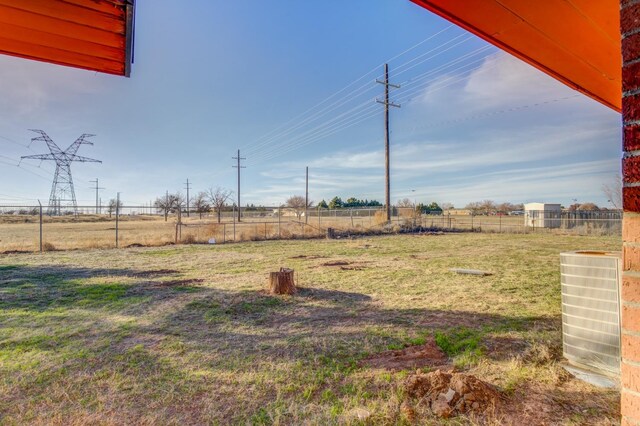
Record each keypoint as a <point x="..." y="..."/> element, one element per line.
<point x="117" y="216"/>
<point x="387" y="104"/>
<point x="97" y="188"/>
<point x="166" y="205"/>
<point x="306" y="199"/>
<point x="239" y="167"/>
<point x="188" y="187"/>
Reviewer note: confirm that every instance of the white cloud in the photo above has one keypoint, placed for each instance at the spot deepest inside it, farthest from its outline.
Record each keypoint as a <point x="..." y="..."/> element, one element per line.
<point x="29" y="88"/>
<point x="555" y="146"/>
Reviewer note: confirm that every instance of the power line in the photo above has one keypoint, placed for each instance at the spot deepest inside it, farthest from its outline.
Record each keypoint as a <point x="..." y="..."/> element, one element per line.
<point x="278" y="132"/>
<point x="336" y="121"/>
<point x="22" y="168"/>
<point x="496" y="112"/>
<point x="328" y="128"/>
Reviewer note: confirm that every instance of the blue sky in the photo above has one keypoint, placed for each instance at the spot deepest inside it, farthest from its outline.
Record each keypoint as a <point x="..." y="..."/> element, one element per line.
<point x="216" y="76"/>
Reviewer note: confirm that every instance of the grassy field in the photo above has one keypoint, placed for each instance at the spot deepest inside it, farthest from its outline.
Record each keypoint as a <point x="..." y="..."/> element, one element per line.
<point x="21" y="232"/>
<point x="185" y="334"/>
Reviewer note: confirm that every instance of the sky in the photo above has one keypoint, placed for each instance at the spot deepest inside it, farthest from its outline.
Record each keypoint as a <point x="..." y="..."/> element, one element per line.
<point x="292" y="84"/>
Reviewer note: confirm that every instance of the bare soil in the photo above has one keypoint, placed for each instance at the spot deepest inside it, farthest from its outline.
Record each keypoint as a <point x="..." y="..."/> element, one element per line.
<point x="452" y="394"/>
<point x="409" y="358"/>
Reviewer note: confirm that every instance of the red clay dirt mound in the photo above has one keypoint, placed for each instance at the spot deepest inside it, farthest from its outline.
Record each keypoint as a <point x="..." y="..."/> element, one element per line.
<point x="451" y="394"/>
<point x="409" y="358"/>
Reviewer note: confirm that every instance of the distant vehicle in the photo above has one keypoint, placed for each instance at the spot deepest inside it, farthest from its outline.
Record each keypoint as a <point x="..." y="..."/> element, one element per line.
<point x="517" y="213"/>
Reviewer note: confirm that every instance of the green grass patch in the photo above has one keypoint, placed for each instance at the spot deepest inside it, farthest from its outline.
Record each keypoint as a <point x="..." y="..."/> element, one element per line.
<point x="462" y="344"/>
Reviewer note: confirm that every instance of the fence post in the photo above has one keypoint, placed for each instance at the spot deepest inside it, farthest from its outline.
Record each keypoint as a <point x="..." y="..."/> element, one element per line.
<point x="500" y="223"/>
<point x="234" y="223"/>
<point x="224" y="233"/>
<point x="472" y="221"/>
<point x="279" y="219"/>
<point x="265" y="230"/>
<point x="351" y="214"/>
<point x="40" y="225"/>
<point x="319" y="218"/>
<point x="117" y="216"/>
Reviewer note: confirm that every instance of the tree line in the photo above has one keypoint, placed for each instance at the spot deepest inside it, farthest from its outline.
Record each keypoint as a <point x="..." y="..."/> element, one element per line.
<point x="213" y="199"/>
<point x="351" y="202"/>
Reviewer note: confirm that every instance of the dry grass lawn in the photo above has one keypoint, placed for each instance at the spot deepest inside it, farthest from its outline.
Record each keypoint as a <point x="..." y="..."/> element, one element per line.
<point x="184" y="335"/>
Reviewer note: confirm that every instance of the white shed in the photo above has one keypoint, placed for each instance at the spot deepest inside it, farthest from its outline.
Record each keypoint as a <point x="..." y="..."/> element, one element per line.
<point x="542" y="215"/>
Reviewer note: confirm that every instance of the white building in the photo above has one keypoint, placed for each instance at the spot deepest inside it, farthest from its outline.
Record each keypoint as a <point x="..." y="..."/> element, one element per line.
<point x="542" y="215"/>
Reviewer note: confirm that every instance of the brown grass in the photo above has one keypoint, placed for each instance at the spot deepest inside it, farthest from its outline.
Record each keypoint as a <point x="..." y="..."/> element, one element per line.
<point x="185" y="335"/>
<point x="20" y="233"/>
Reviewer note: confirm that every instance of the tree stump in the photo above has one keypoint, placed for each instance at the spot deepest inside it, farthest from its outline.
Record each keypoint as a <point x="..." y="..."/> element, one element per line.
<point x="282" y="282"/>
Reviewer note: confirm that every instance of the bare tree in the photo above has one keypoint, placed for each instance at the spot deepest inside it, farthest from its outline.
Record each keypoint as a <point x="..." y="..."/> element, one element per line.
<point x="482" y="207"/>
<point x="218" y="198"/>
<point x="613" y="192"/>
<point x="169" y="203"/>
<point x="201" y="203"/>
<point x="588" y="207"/>
<point x="446" y="206"/>
<point x="475" y="207"/>
<point x="405" y="202"/>
<point x="298" y="204"/>
<point x="113" y="205"/>
<point x="507" y="207"/>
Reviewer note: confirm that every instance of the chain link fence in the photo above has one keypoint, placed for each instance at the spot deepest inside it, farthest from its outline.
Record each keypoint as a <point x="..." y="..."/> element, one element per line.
<point x="30" y="228"/>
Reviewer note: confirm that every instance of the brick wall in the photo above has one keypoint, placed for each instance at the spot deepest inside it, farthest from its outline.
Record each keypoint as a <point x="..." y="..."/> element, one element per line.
<point x="630" y="379"/>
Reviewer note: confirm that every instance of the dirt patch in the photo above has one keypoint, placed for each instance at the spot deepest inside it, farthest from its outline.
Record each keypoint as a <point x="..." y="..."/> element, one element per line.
<point x="154" y="273"/>
<point x="503" y="348"/>
<point x="310" y="256"/>
<point x="533" y="404"/>
<point x="337" y="263"/>
<point x="177" y="283"/>
<point x="447" y="319"/>
<point x="411" y="357"/>
<point x="16" y="251"/>
<point x="345" y="265"/>
<point x="452" y="394"/>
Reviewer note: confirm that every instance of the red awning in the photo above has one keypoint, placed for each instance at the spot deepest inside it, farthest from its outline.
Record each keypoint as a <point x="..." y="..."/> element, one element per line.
<point x="92" y="34"/>
<point x="574" y="41"/>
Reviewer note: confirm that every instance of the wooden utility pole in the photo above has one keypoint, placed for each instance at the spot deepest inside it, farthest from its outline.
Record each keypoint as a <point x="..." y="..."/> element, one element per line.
<point x="166" y="206"/>
<point x="97" y="188"/>
<point x="188" y="187"/>
<point x="387" y="104"/>
<point x="239" y="167"/>
<point x="306" y="199"/>
<point x="117" y="216"/>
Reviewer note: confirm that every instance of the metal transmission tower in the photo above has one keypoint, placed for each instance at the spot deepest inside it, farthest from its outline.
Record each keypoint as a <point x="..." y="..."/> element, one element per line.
<point x="62" y="192"/>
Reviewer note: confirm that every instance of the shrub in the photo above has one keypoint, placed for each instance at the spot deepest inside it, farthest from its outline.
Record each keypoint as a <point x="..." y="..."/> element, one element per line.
<point x="46" y="246"/>
<point x="380" y="218"/>
<point x="189" y="239"/>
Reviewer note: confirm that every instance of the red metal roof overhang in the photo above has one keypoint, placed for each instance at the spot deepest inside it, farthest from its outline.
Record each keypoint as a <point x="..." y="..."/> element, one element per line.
<point x="92" y="34"/>
<point x="574" y="41"/>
